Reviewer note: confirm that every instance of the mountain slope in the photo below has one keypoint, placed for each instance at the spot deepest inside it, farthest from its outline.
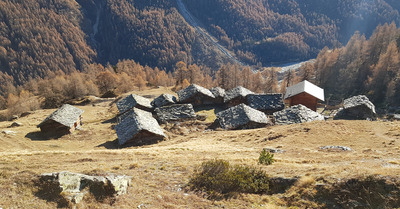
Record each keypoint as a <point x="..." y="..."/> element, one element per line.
<point x="40" y="36"/>
<point x="283" y="30"/>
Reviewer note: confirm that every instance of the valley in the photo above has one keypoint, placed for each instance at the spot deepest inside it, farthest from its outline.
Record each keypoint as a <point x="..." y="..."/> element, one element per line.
<point x="161" y="171"/>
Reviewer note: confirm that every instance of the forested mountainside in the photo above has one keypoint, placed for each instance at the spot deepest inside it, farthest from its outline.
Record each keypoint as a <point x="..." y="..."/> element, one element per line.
<point x="42" y="36"/>
<point x="271" y="31"/>
<point x="364" y="66"/>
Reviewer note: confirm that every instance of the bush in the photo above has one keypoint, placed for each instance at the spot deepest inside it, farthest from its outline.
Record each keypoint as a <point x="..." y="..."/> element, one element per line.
<point x="220" y="179"/>
<point x="266" y="158"/>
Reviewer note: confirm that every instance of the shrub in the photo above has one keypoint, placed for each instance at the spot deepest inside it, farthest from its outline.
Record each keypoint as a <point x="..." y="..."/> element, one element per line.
<point x="220" y="179"/>
<point x="266" y="158"/>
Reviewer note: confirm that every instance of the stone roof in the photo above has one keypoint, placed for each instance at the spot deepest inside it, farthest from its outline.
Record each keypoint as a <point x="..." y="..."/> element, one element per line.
<point x="164" y="100"/>
<point x="296" y="114"/>
<point x="135" y="122"/>
<point x="176" y="112"/>
<point x="132" y="101"/>
<point x="357" y="108"/>
<point x="218" y="92"/>
<point x="236" y="92"/>
<point x="66" y="115"/>
<point x="266" y="102"/>
<point x="241" y="117"/>
<point x="193" y="91"/>
<point x="307" y="87"/>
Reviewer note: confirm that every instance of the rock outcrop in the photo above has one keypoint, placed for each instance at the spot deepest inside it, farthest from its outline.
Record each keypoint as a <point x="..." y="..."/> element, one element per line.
<point x="241" y="117"/>
<point x="296" y="114"/>
<point x="175" y="113"/>
<point x="72" y="187"/>
<point x="357" y="108"/>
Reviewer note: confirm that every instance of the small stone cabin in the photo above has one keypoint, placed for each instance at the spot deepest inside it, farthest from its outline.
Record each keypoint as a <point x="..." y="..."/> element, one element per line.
<point x="62" y="121"/>
<point x="267" y="103"/>
<point x="236" y="96"/>
<point x="132" y="101"/>
<point x="164" y="100"/>
<point x="241" y="117"/>
<point x="138" y="127"/>
<point x="196" y="95"/>
<point x="304" y="93"/>
<point x="175" y="113"/>
<point x="219" y="94"/>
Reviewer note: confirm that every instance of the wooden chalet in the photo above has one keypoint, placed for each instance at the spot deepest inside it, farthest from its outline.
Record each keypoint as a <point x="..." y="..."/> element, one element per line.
<point x="304" y="93"/>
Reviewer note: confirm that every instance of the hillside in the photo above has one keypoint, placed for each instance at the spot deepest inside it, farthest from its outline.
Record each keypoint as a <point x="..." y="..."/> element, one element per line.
<point x="161" y="170"/>
<point x="283" y="30"/>
<point x="38" y="37"/>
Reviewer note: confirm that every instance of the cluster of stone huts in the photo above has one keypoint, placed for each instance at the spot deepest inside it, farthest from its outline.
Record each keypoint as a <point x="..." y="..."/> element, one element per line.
<point x="139" y="117"/>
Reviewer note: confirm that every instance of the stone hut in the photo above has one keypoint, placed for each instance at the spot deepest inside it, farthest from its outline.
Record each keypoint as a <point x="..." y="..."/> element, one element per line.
<point x="267" y="103"/>
<point x="196" y="95"/>
<point x="132" y="101"/>
<point x="164" y="100"/>
<point x="241" y="117"/>
<point x="296" y="114"/>
<point x="357" y="108"/>
<point x="138" y="127"/>
<point x="219" y="94"/>
<point x="62" y="121"/>
<point x="236" y="96"/>
<point x="175" y="113"/>
<point x="304" y="93"/>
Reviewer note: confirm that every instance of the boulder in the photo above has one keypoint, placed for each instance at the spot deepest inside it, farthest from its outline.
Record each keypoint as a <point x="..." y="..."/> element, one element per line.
<point x="356" y="108"/>
<point x="394" y="117"/>
<point x="176" y="112"/>
<point x="72" y="187"/>
<point x="336" y="148"/>
<point x="241" y="117"/>
<point x="8" y="132"/>
<point x="24" y="114"/>
<point x="296" y="114"/>
<point x="14" y="117"/>
<point x="274" y="150"/>
<point x="164" y="100"/>
<point x="15" y="124"/>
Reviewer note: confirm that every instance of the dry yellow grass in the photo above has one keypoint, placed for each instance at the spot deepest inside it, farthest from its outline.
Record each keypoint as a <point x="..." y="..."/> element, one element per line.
<point x="160" y="171"/>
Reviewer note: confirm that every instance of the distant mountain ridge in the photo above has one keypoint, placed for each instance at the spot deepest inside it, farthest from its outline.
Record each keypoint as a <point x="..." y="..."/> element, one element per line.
<point x="42" y="36"/>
